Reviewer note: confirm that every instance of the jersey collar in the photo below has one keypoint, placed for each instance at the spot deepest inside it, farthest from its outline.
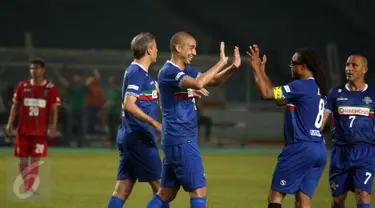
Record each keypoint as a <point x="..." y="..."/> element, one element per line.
<point x="170" y="62"/>
<point x="140" y="66"/>
<point x="32" y="82"/>
<point x="347" y="87"/>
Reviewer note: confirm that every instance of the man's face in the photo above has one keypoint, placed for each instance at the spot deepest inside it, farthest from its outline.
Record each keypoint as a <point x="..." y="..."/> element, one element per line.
<point x="355" y="68"/>
<point x="154" y="52"/>
<point x="36" y="71"/>
<point x="188" y="50"/>
<point x="296" y="67"/>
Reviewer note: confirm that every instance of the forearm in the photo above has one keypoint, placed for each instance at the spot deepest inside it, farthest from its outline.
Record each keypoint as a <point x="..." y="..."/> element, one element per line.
<point x="206" y="77"/>
<point x="222" y="76"/>
<point x="135" y="111"/>
<point x="263" y="84"/>
<point x="13" y="113"/>
<point x="55" y="116"/>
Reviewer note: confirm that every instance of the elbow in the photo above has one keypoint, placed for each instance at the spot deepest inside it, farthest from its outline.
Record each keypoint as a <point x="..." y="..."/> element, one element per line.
<point x="266" y="96"/>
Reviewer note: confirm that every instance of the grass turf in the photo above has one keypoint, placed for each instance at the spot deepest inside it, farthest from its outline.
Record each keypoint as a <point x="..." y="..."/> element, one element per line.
<point x="235" y="178"/>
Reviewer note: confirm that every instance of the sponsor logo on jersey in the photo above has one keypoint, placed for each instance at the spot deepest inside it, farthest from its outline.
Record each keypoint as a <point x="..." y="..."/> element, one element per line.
<point x="341" y="98"/>
<point x="367" y="100"/>
<point x="346" y="110"/>
<point x="34" y="102"/>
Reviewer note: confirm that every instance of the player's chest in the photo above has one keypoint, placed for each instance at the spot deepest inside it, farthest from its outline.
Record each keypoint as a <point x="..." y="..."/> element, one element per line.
<point x="149" y="91"/>
<point x="355" y="104"/>
<point x="35" y="92"/>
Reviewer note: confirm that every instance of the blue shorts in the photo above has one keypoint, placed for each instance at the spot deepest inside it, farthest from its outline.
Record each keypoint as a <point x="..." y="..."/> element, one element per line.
<point x="139" y="159"/>
<point x="299" y="168"/>
<point x="352" y="167"/>
<point x="182" y="166"/>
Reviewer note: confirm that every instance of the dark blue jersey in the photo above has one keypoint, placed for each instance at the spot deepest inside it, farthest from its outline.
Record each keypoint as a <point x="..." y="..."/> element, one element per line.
<point x="139" y="83"/>
<point x="304" y="111"/>
<point x="353" y="114"/>
<point x="179" y="113"/>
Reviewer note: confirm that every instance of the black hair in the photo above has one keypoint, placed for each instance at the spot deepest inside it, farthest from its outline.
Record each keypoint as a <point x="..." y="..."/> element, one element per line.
<point x="313" y="62"/>
<point x="39" y="62"/>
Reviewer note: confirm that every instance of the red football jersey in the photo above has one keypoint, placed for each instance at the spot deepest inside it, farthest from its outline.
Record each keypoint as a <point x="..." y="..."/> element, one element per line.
<point x="36" y="103"/>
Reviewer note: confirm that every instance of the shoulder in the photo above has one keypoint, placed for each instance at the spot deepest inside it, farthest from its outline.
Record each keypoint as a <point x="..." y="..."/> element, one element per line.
<point x="50" y="85"/>
<point x="23" y="84"/>
<point x="336" y="90"/>
<point x="133" y="69"/>
<point x="169" y="69"/>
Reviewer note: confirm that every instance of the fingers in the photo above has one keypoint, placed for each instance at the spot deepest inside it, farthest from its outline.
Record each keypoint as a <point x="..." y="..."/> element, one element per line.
<point x="236" y="51"/>
<point x="253" y="50"/>
<point x="222" y="47"/>
<point x="204" y="92"/>
<point x="264" y="60"/>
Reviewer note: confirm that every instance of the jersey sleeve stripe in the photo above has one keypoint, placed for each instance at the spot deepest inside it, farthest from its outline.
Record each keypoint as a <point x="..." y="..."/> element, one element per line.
<point x="132" y="93"/>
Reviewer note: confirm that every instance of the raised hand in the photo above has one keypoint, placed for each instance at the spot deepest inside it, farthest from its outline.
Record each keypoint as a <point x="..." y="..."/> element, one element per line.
<point x="263" y="63"/>
<point x="255" y="61"/>
<point x="223" y="58"/>
<point x="236" y="58"/>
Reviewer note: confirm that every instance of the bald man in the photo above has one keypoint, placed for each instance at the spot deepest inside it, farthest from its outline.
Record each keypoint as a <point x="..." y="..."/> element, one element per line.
<point x="182" y="164"/>
<point x="352" y="106"/>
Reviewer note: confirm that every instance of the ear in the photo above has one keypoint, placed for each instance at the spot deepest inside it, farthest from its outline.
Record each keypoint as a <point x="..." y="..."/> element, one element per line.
<point x="178" y="48"/>
<point x="148" y="51"/>
<point x="365" y="71"/>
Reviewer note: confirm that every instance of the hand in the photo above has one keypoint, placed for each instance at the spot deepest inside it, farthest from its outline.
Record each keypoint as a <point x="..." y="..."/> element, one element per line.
<point x="236" y="58"/>
<point x="223" y="58"/>
<point x="157" y="126"/>
<point x="52" y="132"/>
<point x="200" y="93"/>
<point x="263" y="63"/>
<point x="255" y="61"/>
<point x="9" y="130"/>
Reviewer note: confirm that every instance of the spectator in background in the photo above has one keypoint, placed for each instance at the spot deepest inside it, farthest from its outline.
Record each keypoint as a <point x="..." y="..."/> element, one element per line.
<point x="76" y="91"/>
<point x="113" y="106"/>
<point x="94" y="101"/>
<point x="206" y="121"/>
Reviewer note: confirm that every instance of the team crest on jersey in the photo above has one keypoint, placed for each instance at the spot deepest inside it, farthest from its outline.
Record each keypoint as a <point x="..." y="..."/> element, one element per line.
<point x="283" y="182"/>
<point x="339" y="90"/>
<point x="367" y="100"/>
<point x="45" y="92"/>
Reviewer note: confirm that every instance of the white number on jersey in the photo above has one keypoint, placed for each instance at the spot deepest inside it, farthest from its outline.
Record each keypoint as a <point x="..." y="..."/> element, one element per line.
<point x="39" y="149"/>
<point x="319" y="117"/>
<point x="33" y="111"/>
<point x="352" y="118"/>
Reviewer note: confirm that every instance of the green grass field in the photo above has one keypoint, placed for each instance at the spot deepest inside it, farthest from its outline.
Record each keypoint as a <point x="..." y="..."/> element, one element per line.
<point x="234" y="178"/>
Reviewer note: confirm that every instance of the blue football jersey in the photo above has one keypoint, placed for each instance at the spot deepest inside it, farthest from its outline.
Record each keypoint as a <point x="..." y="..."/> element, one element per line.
<point x="139" y="83"/>
<point x="353" y="114"/>
<point x="304" y="111"/>
<point x="179" y="113"/>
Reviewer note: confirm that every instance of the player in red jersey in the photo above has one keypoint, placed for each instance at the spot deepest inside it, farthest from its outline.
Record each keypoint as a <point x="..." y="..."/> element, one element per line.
<point x="35" y="100"/>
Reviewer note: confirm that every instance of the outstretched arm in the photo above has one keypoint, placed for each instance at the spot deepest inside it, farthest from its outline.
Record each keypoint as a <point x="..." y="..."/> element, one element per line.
<point x="224" y="75"/>
<point x="205" y="78"/>
<point x="262" y="81"/>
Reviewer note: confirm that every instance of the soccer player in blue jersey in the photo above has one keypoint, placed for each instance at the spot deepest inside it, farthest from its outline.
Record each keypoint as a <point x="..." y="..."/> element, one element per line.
<point x="139" y="156"/>
<point x="302" y="161"/>
<point x="352" y="106"/>
<point x="182" y="164"/>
